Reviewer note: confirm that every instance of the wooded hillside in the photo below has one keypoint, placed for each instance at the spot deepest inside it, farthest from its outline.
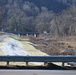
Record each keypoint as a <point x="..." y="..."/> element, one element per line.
<point x="57" y="17"/>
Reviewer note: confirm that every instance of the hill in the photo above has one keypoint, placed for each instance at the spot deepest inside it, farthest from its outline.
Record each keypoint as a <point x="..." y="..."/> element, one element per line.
<point x="56" y="17"/>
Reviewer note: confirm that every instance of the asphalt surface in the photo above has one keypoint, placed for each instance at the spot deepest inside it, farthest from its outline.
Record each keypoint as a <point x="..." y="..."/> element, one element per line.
<point x="37" y="72"/>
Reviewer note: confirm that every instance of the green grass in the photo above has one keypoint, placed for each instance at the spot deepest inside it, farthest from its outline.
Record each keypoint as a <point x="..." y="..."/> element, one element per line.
<point x="15" y="37"/>
<point x="2" y="33"/>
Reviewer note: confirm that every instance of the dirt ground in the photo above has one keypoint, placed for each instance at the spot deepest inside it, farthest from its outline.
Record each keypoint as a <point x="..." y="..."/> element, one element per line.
<point x="55" y="45"/>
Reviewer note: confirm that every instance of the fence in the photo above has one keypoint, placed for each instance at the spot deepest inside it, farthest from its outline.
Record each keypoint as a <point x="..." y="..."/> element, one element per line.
<point x="38" y="59"/>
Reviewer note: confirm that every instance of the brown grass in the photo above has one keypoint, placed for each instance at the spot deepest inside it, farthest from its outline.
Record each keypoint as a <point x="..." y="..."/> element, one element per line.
<point x="54" y="45"/>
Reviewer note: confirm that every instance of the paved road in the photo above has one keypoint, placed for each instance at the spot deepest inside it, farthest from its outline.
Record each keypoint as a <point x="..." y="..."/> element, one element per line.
<point x="37" y="72"/>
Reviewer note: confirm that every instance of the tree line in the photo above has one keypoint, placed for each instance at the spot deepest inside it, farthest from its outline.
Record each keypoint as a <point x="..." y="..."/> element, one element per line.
<point x="27" y="17"/>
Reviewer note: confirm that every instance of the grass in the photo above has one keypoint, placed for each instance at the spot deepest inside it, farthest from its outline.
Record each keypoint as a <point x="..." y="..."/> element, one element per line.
<point x="50" y="66"/>
<point x="27" y="46"/>
<point x="15" y="37"/>
<point x="2" y="33"/>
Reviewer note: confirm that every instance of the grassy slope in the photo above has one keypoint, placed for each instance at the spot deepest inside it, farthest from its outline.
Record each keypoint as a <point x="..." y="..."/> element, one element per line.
<point x="30" y="48"/>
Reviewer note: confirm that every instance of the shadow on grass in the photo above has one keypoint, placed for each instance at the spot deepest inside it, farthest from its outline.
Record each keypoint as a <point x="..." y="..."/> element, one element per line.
<point x="47" y="67"/>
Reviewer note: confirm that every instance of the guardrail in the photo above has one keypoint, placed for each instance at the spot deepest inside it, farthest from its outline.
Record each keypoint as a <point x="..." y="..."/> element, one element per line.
<point x="63" y="59"/>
